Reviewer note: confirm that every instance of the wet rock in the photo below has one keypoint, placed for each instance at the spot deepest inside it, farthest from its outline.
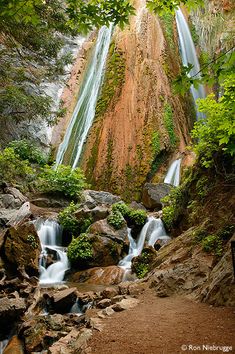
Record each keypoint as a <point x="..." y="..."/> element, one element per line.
<point x="153" y="193"/>
<point x="109" y="293"/>
<point x="103" y="228"/>
<point x="15" y="346"/>
<point x="125" y="304"/>
<point x="103" y="275"/>
<point x="104" y="303"/>
<point x="100" y="197"/>
<point x="22" y="247"/>
<point x="63" y="300"/>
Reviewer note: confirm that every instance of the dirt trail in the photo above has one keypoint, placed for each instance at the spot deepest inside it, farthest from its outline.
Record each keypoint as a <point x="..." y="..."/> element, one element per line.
<point x="165" y="326"/>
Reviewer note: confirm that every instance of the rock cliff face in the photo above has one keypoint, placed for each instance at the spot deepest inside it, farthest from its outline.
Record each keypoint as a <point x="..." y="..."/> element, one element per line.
<point x="143" y="120"/>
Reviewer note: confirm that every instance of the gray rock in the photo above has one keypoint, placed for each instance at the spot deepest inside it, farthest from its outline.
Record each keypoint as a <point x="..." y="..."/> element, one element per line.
<point x="100" y="197"/>
<point x="153" y="193"/>
<point x="16" y="194"/>
<point x="11" y="309"/>
<point x="23" y="213"/>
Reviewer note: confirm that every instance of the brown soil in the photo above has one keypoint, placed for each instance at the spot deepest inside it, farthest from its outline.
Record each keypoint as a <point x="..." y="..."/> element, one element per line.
<point x="163" y="326"/>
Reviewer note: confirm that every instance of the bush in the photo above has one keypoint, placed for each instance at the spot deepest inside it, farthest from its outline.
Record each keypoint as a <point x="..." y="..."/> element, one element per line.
<point x="173" y="204"/>
<point x="70" y="223"/>
<point x="116" y="220"/>
<point x="132" y="216"/>
<point x="80" y="250"/>
<point x="215" y="134"/>
<point x="62" y="180"/>
<point x="13" y="168"/>
<point x="28" y="151"/>
<point x="213" y="244"/>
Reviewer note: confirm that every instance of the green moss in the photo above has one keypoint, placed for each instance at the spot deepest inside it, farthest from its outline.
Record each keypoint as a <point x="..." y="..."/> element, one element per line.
<point x="167" y="20"/>
<point x="169" y="123"/>
<point x="132" y="216"/>
<point x="116" y="220"/>
<point x="70" y="223"/>
<point x="32" y="241"/>
<point x="173" y="205"/>
<point x="113" y="80"/>
<point x="213" y="244"/>
<point x="142" y="270"/>
<point x="155" y="143"/>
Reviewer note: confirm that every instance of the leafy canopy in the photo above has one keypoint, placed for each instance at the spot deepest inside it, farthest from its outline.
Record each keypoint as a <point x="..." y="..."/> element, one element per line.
<point x="215" y="134"/>
<point x="162" y="6"/>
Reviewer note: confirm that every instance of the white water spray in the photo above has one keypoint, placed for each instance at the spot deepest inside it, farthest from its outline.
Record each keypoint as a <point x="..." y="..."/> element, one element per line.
<point x="189" y="55"/>
<point x="50" y="233"/>
<point x="151" y="232"/>
<point x="173" y="173"/>
<point x="84" y="111"/>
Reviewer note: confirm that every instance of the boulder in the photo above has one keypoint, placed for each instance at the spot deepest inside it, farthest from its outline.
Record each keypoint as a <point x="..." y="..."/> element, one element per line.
<point x="11" y="308"/>
<point x="22" y="247"/>
<point x="145" y="259"/>
<point x="103" y="228"/>
<point x="109" y="292"/>
<point x="16" y="194"/>
<point x="97" y="213"/>
<point x="104" y="303"/>
<point x="63" y="300"/>
<point x="7" y="201"/>
<point x="94" y="198"/>
<point x="75" y="342"/>
<point x="22" y="214"/>
<point x="125" y="304"/>
<point x="107" y="275"/>
<point x="6" y="215"/>
<point x="153" y="193"/>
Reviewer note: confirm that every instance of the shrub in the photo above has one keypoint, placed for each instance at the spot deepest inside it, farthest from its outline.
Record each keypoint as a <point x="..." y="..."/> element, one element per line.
<point x="80" y="250"/>
<point x="28" y="151"/>
<point x="63" y="180"/>
<point x="138" y="217"/>
<point x="70" y="223"/>
<point x="132" y="216"/>
<point x="13" y="168"/>
<point x="173" y="204"/>
<point x="116" y="220"/>
<point x="142" y="270"/>
<point x="213" y="244"/>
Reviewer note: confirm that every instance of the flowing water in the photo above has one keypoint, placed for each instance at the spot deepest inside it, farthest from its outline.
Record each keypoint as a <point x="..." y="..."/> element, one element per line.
<point x="70" y="149"/>
<point x="50" y="234"/>
<point x="189" y="55"/>
<point x="173" y="173"/>
<point x="152" y="231"/>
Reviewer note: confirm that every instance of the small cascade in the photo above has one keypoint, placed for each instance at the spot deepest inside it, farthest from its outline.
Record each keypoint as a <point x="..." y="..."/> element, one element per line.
<point x="70" y="149"/>
<point x="189" y="55"/>
<point x="151" y="232"/>
<point x="173" y="173"/>
<point x="50" y="234"/>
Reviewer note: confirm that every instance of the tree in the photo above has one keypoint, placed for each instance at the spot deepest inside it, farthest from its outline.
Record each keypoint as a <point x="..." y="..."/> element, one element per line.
<point x="162" y="6"/>
<point x="32" y="35"/>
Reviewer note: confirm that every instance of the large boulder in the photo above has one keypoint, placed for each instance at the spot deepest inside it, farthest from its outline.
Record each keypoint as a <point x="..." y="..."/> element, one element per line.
<point x="153" y="193"/>
<point x="111" y="275"/>
<point x="22" y="247"/>
<point x="98" y="213"/>
<point x="63" y="300"/>
<point x="105" y="252"/>
<point x="103" y="228"/>
<point x="93" y="198"/>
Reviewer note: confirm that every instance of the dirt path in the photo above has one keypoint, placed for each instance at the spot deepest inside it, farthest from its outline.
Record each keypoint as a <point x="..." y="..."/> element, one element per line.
<point x="163" y="326"/>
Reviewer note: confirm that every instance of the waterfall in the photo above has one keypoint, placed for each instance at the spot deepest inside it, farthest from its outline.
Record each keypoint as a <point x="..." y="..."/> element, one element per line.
<point x="189" y="55"/>
<point x="152" y="231"/>
<point x="173" y="173"/>
<point x="50" y="234"/>
<point x="70" y="149"/>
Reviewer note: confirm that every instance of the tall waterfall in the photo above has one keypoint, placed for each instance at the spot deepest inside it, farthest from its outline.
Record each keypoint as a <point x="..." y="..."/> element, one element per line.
<point x="50" y="232"/>
<point x="152" y="231"/>
<point x="189" y="55"/>
<point x="70" y="149"/>
<point x="173" y="173"/>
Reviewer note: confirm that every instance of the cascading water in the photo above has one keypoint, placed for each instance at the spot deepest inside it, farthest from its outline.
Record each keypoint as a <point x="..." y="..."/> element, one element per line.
<point x="152" y="231"/>
<point x="70" y="149"/>
<point x="173" y="173"/>
<point x="189" y="55"/>
<point x="50" y="232"/>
